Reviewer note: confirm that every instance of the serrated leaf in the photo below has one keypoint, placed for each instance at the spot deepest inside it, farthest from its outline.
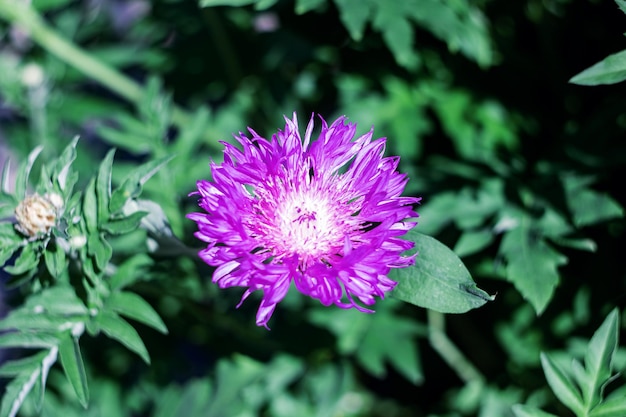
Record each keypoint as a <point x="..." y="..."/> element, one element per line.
<point x="72" y="362"/>
<point x="610" y="70"/>
<point x="103" y="186"/>
<point x="527" y="411"/>
<point x="438" y="280"/>
<point x="125" y="224"/>
<point x="598" y="358"/>
<point x="21" y="178"/>
<point x="133" y="306"/>
<point x="132" y="185"/>
<point x="531" y="264"/>
<point x="117" y="328"/>
<point x="26" y="261"/>
<point x="562" y="385"/>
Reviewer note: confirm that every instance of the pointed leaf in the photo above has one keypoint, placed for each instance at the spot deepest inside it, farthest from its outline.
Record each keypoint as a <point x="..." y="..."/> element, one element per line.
<point x="28" y="340"/>
<point x="531" y="265"/>
<point x="90" y="207"/>
<point x="117" y="328"/>
<point x="17" y="366"/>
<point x="133" y="306"/>
<point x="124" y="225"/>
<point x="130" y="271"/>
<point x="599" y="356"/>
<point x="28" y="260"/>
<point x="72" y="362"/>
<point x="438" y="280"/>
<point x="21" y="178"/>
<point x="132" y="185"/>
<point x="610" y="70"/>
<point x="103" y="186"/>
<point x="615" y="407"/>
<point x="562" y="385"/>
<point x="63" y="167"/>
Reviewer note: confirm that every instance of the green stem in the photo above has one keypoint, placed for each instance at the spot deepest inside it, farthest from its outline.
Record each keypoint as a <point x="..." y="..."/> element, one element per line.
<point x="22" y="14"/>
<point x="451" y="354"/>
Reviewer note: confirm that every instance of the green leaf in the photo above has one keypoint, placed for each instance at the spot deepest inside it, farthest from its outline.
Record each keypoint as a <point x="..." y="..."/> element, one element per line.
<point x="62" y="170"/>
<point x="124" y="225"/>
<point x="90" y="207"/>
<point x="28" y="260"/>
<point x="117" y="328"/>
<point x="562" y="385"/>
<point x="213" y="3"/>
<point x="615" y="407"/>
<point x="54" y="256"/>
<point x="130" y="271"/>
<point x="21" y="178"/>
<point x="303" y="6"/>
<point x="531" y="264"/>
<point x="621" y="4"/>
<point x="28" y="340"/>
<point x="438" y="280"/>
<point x="599" y="357"/>
<point x="72" y="362"/>
<point x="473" y="241"/>
<point x="132" y="185"/>
<point x="100" y="249"/>
<point x="16" y="391"/>
<point x="589" y="206"/>
<point x="527" y="411"/>
<point x="103" y="186"/>
<point x="354" y="14"/>
<point x="610" y="70"/>
<point x="133" y="306"/>
<point x="15" y="367"/>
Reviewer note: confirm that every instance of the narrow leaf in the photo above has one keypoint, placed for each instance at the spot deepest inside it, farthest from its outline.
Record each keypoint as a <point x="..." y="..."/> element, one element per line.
<point x="561" y="385"/>
<point x="103" y="186"/>
<point x="117" y="328"/>
<point x="130" y="271"/>
<point x="90" y="207"/>
<point x="133" y="306"/>
<point x="28" y="340"/>
<point x="21" y="178"/>
<point x="72" y="362"/>
<point x="438" y="280"/>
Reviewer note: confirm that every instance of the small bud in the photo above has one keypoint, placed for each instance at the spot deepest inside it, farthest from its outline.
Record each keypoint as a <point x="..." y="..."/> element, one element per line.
<point x="32" y="75"/>
<point x="77" y="242"/>
<point x="35" y="215"/>
<point x="56" y="200"/>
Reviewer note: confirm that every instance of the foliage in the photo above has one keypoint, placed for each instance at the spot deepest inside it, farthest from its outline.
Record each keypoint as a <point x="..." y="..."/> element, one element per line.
<point x="110" y="111"/>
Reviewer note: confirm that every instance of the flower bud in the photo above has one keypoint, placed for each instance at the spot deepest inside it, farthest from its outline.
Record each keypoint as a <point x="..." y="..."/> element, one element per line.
<point x="35" y="215"/>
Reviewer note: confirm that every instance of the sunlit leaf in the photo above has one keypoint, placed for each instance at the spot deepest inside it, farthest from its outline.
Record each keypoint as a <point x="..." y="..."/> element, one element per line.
<point x="133" y="306"/>
<point x="562" y="385"/>
<point x="610" y="70"/>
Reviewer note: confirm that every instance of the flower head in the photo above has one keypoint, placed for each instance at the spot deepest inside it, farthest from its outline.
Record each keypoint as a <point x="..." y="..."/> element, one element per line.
<point x="325" y="214"/>
<point x="37" y="215"/>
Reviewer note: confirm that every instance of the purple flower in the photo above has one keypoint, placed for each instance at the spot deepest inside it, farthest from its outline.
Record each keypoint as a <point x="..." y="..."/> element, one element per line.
<point x="326" y="215"/>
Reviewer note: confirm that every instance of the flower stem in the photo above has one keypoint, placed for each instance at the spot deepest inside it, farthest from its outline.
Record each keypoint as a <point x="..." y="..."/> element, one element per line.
<point x="22" y="14"/>
<point x="448" y="351"/>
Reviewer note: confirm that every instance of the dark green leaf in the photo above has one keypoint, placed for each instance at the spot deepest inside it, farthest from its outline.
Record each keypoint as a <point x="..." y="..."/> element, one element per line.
<point x="72" y="361"/>
<point x="589" y="206"/>
<point x="610" y="70"/>
<point x="124" y="225"/>
<point x="133" y="306"/>
<point x="531" y="264"/>
<point x="562" y="385"/>
<point x="213" y="3"/>
<point x="100" y="249"/>
<point x="438" y="280"/>
<point x="354" y="14"/>
<point x="303" y="6"/>
<point x="117" y="328"/>
<point x="27" y="261"/>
